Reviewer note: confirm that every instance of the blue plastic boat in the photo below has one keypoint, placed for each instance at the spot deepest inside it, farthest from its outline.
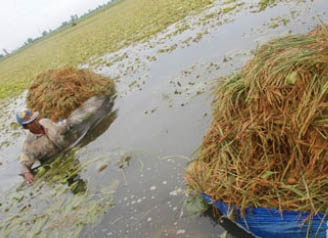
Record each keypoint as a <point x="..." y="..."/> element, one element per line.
<point x="270" y="223"/>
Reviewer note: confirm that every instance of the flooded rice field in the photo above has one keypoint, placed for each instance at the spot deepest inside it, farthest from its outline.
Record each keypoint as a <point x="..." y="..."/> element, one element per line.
<point x="126" y="178"/>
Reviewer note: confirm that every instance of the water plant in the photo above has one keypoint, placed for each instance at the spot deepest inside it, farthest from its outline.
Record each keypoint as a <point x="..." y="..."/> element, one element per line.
<point x="58" y="204"/>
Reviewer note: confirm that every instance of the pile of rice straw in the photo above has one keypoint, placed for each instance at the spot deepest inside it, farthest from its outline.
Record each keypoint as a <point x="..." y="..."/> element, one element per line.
<point x="268" y="140"/>
<point x="56" y="93"/>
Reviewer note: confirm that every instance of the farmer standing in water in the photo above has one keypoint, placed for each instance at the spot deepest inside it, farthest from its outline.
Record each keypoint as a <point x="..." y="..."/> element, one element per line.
<point x="44" y="140"/>
<point x="47" y="138"/>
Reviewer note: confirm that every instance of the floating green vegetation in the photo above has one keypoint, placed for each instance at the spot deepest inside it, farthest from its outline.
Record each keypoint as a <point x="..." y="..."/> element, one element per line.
<point x="115" y="59"/>
<point x="209" y="16"/>
<point x="151" y="58"/>
<point x="124" y="162"/>
<point x="195" y="205"/>
<point x="264" y="4"/>
<point x="183" y="26"/>
<point x="232" y="8"/>
<point x="14" y="125"/>
<point x="199" y="36"/>
<point x="186" y="42"/>
<point x="168" y="50"/>
<point x="8" y="125"/>
<point x="277" y="21"/>
<point x="120" y="25"/>
<point x="229" y="2"/>
<point x="58" y="204"/>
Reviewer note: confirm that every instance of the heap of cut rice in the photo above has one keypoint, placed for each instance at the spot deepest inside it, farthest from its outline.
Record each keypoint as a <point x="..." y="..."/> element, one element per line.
<point x="56" y="93"/>
<point x="268" y="140"/>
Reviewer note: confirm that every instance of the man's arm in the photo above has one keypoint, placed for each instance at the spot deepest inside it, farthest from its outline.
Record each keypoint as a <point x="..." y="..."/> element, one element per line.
<point x="55" y="128"/>
<point x="63" y="126"/>
<point x="29" y="178"/>
<point x="26" y="161"/>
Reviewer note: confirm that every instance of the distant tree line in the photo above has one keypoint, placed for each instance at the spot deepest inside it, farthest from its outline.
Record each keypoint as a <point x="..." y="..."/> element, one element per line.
<point x="73" y="21"/>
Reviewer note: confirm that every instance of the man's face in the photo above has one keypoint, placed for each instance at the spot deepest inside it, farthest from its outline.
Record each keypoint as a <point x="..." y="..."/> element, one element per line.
<point x="33" y="127"/>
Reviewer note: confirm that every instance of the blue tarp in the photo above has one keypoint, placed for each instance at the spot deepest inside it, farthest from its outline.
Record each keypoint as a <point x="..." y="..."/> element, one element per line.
<point x="270" y="223"/>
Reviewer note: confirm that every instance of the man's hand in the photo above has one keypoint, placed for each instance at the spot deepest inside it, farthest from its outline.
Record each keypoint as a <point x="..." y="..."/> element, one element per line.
<point x="28" y="176"/>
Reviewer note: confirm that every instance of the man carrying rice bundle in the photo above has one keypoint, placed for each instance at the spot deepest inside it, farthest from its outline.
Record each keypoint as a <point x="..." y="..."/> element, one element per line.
<point x="64" y="105"/>
<point x="44" y="140"/>
<point x="47" y="138"/>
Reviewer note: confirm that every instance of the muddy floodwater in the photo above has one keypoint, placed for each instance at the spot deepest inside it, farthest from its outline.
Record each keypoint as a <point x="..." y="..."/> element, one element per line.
<point x="131" y="166"/>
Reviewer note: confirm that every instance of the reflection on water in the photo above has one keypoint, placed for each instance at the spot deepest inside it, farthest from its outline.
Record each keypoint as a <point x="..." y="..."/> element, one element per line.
<point x="67" y="166"/>
<point x="99" y="129"/>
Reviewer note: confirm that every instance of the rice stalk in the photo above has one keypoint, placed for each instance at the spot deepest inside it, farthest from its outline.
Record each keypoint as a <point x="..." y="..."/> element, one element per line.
<point x="267" y="142"/>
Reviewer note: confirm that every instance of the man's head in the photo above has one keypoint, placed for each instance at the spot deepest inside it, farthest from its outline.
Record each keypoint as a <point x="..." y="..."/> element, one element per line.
<point x="28" y="120"/>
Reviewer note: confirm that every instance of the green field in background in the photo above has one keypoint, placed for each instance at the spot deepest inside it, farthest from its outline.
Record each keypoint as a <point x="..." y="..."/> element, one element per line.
<point x="121" y="24"/>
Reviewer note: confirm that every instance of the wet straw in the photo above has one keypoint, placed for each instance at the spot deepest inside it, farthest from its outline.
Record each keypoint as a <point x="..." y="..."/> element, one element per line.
<point x="267" y="143"/>
<point x="56" y="93"/>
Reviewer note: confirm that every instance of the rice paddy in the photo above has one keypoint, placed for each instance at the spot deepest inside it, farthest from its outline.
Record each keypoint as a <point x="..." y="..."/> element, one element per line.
<point x="165" y="95"/>
<point x="92" y="38"/>
<point x="125" y="23"/>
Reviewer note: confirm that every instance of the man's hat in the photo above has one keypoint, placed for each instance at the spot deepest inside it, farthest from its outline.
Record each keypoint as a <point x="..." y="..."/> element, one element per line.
<point x="26" y="116"/>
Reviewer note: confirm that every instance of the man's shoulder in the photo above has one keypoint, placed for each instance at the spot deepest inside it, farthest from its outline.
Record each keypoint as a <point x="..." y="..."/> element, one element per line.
<point x="46" y="121"/>
<point x="49" y="124"/>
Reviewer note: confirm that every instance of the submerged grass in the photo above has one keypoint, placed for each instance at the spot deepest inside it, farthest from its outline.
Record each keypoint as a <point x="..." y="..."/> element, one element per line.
<point x="58" y="204"/>
<point x="267" y="143"/>
<point x="125" y="23"/>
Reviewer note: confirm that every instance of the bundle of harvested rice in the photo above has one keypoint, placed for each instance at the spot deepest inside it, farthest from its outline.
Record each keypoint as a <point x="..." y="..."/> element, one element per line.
<point x="268" y="140"/>
<point x="56" y="93"/>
